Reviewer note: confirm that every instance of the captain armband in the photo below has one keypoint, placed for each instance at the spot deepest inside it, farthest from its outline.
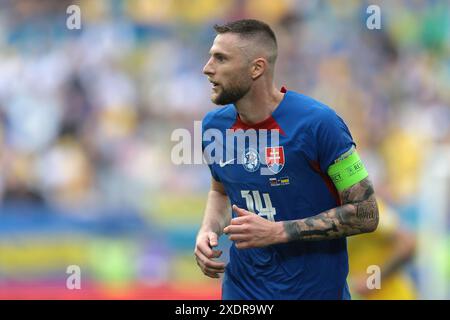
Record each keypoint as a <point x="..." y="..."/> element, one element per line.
<point x="347" y="170"/>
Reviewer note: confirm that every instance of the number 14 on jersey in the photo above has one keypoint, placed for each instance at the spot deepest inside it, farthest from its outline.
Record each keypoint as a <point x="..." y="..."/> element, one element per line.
<point x="254" y="201"/>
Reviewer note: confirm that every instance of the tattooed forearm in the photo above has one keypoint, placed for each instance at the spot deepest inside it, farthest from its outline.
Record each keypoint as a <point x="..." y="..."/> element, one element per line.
<point x="358" y="214"/>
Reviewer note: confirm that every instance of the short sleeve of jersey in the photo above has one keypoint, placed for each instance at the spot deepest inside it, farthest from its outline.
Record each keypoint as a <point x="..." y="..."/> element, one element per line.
<point x="205" y="125"/>
<point x="332" y="138"/>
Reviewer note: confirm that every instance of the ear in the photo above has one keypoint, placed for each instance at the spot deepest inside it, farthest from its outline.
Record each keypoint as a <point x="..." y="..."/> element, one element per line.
<point x="259" y="65"/>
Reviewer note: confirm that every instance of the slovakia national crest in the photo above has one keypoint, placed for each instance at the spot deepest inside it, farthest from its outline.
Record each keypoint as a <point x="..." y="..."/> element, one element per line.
<point x="275" y="158"/>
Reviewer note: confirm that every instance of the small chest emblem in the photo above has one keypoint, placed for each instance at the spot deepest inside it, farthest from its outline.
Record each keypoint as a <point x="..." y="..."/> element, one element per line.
<point x="250" y="160"/>
<point x="275" y="158"/>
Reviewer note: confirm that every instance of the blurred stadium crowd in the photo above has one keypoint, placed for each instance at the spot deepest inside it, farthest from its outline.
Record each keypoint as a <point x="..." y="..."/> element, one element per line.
<point x="86" y="117"/>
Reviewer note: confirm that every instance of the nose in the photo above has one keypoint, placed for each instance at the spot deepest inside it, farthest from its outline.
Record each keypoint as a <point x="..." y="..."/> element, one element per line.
<point x="207" y="69"/>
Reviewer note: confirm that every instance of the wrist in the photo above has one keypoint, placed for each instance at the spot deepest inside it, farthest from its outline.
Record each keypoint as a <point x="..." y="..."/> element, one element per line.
<point x="280" y="235"/>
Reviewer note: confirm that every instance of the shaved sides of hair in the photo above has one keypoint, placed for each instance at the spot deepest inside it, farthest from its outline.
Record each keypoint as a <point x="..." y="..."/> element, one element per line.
<point x="256" y="31"/>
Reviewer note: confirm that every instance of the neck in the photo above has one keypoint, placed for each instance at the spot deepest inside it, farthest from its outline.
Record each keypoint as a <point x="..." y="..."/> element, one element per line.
<point x="258" y="104"/>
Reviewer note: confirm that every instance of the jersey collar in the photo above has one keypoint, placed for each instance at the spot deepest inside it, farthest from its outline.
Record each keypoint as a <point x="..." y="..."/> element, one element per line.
<point x="269" y="123"/>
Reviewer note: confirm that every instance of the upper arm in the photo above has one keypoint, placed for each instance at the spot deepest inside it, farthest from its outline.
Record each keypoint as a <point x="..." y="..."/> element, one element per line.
<point x="217" y="186"/>
<point x="355" y="188"/>
<point x="353" y="183"/>
<point x="337" y="153"/>
<point x="331" y="138"/>
<point x="350" y="177"/>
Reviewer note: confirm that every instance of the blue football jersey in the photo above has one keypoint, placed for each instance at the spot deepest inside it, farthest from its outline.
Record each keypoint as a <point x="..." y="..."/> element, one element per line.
<point x="286" y="181"/>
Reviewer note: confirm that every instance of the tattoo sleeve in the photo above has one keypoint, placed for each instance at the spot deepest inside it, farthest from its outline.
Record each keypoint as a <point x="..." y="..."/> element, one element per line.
<point x="358" y="214"/>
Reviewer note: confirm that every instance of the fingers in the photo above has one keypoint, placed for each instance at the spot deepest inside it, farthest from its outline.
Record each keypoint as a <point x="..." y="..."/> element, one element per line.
<point x="239" y="237"/>
<point x="240" y="212"/>
<point x="207" y="271"/>
<point x="239" y="234"/>
<point x="216" y="254"/>
<point x="232" y="229"/>
<point x="243" y="244"/>
<point x="205" y="246"/>
<point x="209" y="267"/>
<point x="210" y="272"/>
<point x="209" y="263"/>
<point x="204" y="255"/>
<point x="213" y="241"/>
<point x="239" y="220"/>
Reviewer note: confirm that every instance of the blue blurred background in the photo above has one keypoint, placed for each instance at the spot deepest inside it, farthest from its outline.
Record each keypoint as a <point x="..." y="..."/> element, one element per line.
<point x="86" y="117"/>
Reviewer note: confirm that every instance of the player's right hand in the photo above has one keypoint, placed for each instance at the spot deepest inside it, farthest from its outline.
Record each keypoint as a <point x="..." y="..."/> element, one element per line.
<point x="205" y="254"/>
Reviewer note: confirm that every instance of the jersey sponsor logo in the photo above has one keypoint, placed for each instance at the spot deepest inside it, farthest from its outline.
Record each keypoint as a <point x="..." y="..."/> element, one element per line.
<point x="250" y="160"/>
<point x="223" y="164"/>
<point x="275" y="158"/>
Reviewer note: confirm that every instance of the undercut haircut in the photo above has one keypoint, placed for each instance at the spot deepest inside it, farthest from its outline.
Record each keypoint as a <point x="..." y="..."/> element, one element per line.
<point x="253" y="30"/>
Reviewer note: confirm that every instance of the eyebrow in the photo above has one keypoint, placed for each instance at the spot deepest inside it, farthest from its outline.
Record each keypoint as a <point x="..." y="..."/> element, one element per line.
<point x="218" y="53"/>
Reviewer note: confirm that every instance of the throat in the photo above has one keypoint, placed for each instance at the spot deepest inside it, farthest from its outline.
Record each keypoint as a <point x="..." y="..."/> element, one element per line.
<point x="255" y="113"/>
<point x="253" y="118"/>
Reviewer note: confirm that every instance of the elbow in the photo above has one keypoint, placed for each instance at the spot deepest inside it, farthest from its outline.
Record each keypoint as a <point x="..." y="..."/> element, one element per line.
<point x="367" y="216"/>
<point x="372" y="223"/>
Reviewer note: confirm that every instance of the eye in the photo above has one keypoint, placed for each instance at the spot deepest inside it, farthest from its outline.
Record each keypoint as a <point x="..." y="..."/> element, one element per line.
<point x="220" y="58"/>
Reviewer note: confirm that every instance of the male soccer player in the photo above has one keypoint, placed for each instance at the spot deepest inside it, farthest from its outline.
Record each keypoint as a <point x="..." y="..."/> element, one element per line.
<point x="288" y="228"/>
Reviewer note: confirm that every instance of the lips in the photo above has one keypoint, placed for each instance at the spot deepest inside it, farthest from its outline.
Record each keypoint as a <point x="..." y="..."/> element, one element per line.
<point x="214" y="84"/>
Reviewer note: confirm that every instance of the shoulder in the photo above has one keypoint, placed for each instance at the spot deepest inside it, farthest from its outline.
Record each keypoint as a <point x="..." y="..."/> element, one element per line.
<point x="221" y="117"/>
<point x="308" y="112"/>
<point x="313" y="108"/>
